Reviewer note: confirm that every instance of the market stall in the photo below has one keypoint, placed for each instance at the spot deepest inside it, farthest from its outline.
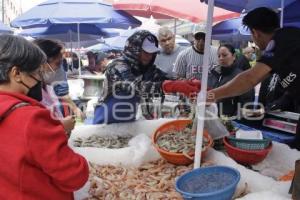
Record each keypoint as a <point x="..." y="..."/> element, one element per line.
<point x="260" y="182"/>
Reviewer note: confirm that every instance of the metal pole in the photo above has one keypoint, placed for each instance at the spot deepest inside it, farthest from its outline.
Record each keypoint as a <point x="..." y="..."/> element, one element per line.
<point x="282" y="13"/>
<point x="71" y="40"/>
<point x="3" y="9"/>
<point x="175" y="21"/>
<point x="201" y="98"/>
<point x="78" y="37"/>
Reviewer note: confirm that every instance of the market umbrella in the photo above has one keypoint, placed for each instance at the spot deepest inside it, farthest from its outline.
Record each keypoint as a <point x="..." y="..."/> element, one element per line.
<point x="103" y="47"/>
<point x="234" y="29"/>
<point x="118" y="42"/>
<point x="231" y="29"/>
<point x="247" y="5"/>
<point x="182" y="41"/>
<point x="240" y="5"/>
<point x="70" y="13"/>
<point x="292" y="15"/>
<point x="191" y="10"/>
<point x="70" y="36"/>
<point x="4" y="28"/>
<point x="67" y="12"/>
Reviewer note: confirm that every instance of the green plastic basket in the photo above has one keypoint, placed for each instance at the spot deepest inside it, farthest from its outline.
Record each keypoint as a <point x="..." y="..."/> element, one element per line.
<point x="247" y="144"/>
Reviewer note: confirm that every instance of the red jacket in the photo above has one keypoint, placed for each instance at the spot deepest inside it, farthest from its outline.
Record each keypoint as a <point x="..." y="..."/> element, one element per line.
<point x="35" y="160"/>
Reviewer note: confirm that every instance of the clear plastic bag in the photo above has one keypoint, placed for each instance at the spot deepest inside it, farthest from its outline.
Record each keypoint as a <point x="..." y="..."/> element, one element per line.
<point x="213" y="123"/>
<point x="139" y="151"/>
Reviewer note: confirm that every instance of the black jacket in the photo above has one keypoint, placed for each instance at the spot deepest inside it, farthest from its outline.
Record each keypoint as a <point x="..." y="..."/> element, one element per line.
<point x="221" y="75"/>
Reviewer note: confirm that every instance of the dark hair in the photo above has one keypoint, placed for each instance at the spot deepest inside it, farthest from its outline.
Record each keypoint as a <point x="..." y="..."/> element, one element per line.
<point x="17" y="51"/>
<point x="263" y="19"/>
<point x="199" y="36"/>
<point x="230" y="48"/>
<point x="51" y="48"/>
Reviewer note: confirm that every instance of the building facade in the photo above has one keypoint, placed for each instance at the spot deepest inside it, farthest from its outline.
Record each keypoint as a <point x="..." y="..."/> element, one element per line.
<point x="9" y="10"/>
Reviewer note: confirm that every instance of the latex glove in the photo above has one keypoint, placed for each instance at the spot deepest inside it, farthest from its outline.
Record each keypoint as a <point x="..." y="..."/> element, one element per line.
<point x="187" y="87"/>
<point x="196" y="83"/>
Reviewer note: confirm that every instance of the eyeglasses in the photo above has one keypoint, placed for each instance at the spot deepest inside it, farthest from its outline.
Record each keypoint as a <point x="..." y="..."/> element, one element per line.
<point x="37" y="73"/>
<point x="51" y="69"/>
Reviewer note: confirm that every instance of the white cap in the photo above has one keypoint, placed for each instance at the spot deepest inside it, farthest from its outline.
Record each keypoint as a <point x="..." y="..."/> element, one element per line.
<point x="149" y="46"/>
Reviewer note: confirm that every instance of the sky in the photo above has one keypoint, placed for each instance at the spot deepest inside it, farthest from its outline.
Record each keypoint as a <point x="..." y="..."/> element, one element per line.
<point x="27" y="4"/>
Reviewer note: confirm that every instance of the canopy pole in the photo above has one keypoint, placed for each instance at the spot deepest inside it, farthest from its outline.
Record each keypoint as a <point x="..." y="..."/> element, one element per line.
<point x="282" y="13"/>
<point x="71" y="40"/>
<point x="175" y="24"/>
<point x="201" y="98"/>
<point x="79" y="57"/>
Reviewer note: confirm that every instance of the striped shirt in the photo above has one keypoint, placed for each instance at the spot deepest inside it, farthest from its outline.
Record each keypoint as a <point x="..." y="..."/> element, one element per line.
<point x="189" y="63"/>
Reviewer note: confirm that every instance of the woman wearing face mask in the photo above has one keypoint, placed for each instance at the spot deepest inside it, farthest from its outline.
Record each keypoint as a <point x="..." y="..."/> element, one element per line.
<point x="55" y="86"/>
<point x="38" y="162"/>
<point x="219" y="75"/>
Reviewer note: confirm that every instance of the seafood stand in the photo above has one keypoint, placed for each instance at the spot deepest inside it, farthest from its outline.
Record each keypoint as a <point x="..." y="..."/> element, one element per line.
<point x="125" y="164"/>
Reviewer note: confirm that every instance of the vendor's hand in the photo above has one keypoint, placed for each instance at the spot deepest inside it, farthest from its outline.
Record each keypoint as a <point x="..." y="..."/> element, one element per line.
<point x="210" y="98"/>
<point x="68" y="123"/>
<point x="186" y="87"/>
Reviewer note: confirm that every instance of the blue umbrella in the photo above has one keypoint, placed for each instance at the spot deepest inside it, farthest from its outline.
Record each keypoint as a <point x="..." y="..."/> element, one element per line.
<point x="75" y="12"/>
<point x="4" y="28"/>
<point x="240" y="5"/>
<point x="69" y="38"/>
<point x="70" y="13"/>
<point x="292" y="14"/>
<point x="100" y="47"/>
<point x="247" y="5"/>
<point x="118" y="42"/>
<point x="231" y="29"/>
<point x="182" y="41"/>
<point x="64" y="30"/>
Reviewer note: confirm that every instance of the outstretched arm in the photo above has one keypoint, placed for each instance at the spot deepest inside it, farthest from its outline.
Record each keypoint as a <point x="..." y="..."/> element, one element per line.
<point x="241" y="83"/>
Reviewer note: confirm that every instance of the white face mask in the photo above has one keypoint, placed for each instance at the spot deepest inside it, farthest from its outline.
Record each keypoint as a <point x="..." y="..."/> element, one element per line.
<point x="49" y="76"/>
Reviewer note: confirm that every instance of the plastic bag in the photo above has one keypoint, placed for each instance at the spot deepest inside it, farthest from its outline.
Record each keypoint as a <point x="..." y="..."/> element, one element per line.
<point x="90" y="107"/>
<point x="76" y="88"/>
<point x="140" y="149"/>
<point x="213" y="123"/>
<point x="138" y="152"/>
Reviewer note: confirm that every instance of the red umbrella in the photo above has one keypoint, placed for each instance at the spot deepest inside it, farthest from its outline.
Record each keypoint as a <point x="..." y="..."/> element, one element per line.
<point x="192" y="10"/>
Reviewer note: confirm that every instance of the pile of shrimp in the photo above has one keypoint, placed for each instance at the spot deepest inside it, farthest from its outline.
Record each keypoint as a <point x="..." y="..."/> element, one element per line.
<point x="151" y="181"/>
<point x="179" y="141"/>
<point x="111" y="142"/>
